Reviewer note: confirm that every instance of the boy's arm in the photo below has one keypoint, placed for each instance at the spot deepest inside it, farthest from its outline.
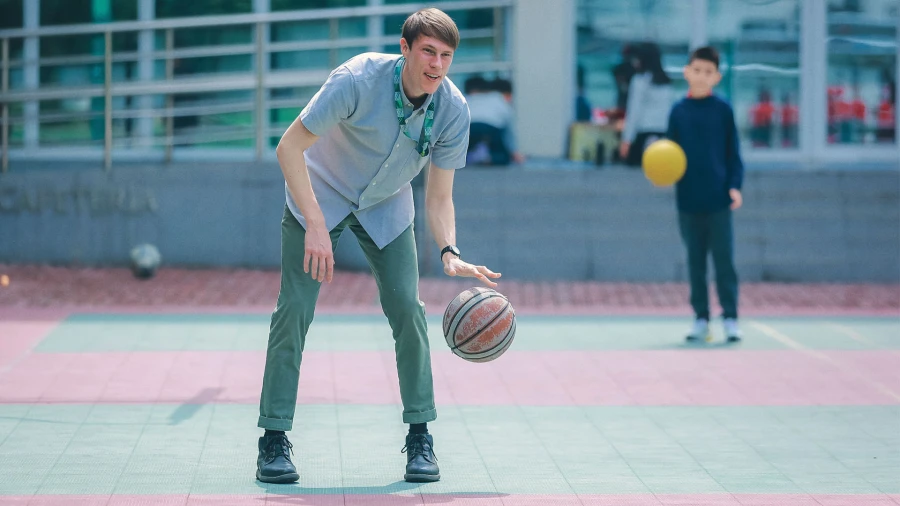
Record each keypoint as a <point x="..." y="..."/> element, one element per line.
<point x="733" y="154"/>
<point x="672" y="131"/>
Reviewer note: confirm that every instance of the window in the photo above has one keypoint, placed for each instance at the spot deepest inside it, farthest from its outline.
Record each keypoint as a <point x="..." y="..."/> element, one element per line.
<point x="862" y="70"/>
<point x="759" y="44"/>
<point x="608" y="32"/>
<point x="11" y="14"/>
<point x="180" y="8"/>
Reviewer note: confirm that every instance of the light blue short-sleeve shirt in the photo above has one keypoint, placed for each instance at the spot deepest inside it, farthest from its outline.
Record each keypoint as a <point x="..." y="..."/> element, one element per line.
<point x="363" y="163"/>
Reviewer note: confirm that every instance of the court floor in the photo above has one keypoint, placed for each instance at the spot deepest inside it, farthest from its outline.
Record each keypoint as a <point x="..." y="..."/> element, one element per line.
<point x="160" y="408"/>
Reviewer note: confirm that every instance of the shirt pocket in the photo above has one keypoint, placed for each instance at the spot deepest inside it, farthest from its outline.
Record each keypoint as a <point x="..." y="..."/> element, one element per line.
<point x="413" y="163"/>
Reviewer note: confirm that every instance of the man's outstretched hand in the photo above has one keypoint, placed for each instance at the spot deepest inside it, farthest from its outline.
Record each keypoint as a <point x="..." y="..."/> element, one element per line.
<point x="456" y="267"/>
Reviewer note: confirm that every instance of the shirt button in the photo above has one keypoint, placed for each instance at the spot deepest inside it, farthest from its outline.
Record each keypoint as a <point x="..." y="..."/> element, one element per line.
<point x="374" y="183"/>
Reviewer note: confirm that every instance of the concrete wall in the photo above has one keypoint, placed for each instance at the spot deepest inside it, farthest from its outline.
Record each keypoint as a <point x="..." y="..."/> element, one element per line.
<point x="530" y="224"/>
<point x="543" y="50"/>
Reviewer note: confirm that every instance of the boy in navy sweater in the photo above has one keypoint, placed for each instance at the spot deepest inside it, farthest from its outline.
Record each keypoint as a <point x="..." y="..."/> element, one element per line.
<point x="703" y="125"/>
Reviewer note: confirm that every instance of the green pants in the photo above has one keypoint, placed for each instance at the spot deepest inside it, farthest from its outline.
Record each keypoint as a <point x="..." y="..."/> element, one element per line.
<point x="706" y="234"/>
<point x="396" y="273"/>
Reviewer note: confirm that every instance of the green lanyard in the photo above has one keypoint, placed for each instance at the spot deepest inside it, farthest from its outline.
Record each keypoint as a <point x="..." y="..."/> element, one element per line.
<point x="423" y="146"/>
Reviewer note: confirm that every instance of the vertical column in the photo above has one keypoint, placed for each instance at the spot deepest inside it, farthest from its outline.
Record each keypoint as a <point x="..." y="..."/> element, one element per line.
<point x="544" y="75"/>
<point x="262" y="69"/>
<point x="31" y="52"/>
<point x="813" y="80"/>
<point x="376" y="28"/>
<point x="699" y="13"/>
<point x="146" y="13"/>
<point x="897" y="83"/>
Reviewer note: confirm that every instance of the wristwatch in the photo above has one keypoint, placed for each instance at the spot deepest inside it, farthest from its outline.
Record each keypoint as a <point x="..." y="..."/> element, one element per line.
<point x="451" y="249"/>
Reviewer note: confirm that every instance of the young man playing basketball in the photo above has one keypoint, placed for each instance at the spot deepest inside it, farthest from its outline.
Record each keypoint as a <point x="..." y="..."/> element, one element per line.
<point x="347" y="162"/>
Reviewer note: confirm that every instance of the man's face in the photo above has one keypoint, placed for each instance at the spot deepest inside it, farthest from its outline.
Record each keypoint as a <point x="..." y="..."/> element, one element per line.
<point x="701" y="76"/>
<point x="427" y="62"/>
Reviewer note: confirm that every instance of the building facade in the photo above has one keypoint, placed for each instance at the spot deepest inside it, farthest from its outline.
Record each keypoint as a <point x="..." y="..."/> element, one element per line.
<point x="813" y="82"/>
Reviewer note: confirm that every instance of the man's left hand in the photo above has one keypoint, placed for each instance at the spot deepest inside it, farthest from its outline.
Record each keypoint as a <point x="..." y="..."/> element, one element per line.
<point x="453" y="266"/>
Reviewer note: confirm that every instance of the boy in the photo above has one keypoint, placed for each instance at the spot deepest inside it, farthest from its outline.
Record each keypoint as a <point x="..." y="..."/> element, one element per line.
<point x="703" y="125"/>
<point x="347" y="161"/>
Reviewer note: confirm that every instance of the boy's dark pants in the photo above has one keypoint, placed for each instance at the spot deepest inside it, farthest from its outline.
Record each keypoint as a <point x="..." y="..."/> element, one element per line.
<point x="705" y="233"/>
<point x="397" y="275"/>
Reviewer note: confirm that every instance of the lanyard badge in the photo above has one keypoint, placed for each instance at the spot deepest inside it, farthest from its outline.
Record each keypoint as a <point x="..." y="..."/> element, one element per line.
<point x="423" y="146"/>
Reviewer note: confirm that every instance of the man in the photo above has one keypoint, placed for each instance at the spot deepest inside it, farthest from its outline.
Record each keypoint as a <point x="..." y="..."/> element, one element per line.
<point x="347" y="162"/>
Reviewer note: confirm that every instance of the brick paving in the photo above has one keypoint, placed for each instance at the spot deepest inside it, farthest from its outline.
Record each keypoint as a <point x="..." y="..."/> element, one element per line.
<point x="34" y="286"/>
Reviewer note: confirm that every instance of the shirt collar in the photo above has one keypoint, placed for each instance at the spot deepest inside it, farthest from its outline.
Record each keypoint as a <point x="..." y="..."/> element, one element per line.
<point x="406" y="101"/>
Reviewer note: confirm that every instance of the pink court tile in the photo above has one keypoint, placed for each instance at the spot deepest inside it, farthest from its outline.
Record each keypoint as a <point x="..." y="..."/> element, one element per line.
<point x="529" y="378"/>
<point x="814" y="500"/>
<point x="19" y="336"/>
<point x="302" y="500"/>
<point x="411" y="499"/>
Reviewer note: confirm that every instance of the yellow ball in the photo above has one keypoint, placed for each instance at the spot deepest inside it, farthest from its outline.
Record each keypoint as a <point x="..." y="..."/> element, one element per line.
<point x="664" y="162"/>
<point x="4" y="280"/>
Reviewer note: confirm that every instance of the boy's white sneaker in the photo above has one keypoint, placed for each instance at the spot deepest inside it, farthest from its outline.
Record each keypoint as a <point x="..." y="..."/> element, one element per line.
<point x="732" y="332"/>
<point x="699" y="333"/>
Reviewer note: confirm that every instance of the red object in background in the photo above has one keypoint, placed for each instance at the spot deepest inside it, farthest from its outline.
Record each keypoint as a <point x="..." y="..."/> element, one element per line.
<point x="790" y="114"/>
<point x="761" y="114"/>
<point x="838" y="108"/>
<point x="886" y="118"/>
<point x="858" y="109"/>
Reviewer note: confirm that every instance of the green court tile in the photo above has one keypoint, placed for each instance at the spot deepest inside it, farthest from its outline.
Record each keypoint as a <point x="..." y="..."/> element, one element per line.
<point x="87" y="333"/>
<point x="10" y="419"/>
<point x="67" y="449"/>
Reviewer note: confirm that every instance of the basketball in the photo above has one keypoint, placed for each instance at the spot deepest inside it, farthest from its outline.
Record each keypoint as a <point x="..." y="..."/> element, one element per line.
<point x="664" y="162"/>
<point x="479" y="324"/>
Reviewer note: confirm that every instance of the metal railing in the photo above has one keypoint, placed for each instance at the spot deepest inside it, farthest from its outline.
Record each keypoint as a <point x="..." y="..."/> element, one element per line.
<point x="258" y="81"/>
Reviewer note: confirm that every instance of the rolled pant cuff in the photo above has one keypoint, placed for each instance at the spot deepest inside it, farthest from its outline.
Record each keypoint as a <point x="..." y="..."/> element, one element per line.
<point x="420" y="416"/>
<point x="274" y="423"/>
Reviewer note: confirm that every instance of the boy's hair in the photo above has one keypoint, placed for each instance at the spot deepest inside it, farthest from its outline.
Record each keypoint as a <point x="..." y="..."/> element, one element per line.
<point x="706" y="53"/>
<point x="431" y="22"/>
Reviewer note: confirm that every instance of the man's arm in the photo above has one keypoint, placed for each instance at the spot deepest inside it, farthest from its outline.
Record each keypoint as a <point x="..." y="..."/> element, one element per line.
<point x="318" y="258"/>
<point x="442" y="222"/>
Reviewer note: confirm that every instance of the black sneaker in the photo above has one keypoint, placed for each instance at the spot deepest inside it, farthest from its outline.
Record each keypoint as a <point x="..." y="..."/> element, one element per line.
<point x="421" y="464"/>
<point x="274" y="462"/>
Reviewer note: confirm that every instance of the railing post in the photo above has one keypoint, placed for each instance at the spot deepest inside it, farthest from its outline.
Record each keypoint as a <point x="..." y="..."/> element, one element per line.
<point x="4" y="86"/>
<point x="107" y="100"/>
<point x="261" y="130"/>
<point x="170" y="100"/>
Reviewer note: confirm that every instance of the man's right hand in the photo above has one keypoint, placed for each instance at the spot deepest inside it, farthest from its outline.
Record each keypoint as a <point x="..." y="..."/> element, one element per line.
<point x="318" y="258"/>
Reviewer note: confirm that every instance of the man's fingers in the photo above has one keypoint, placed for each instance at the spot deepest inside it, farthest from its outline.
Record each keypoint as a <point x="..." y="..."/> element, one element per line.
<point x="314" y="267"/>
<point x="487" y="272"/>
<point x="486" y="281"/>
<point x="330" y="266"/>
